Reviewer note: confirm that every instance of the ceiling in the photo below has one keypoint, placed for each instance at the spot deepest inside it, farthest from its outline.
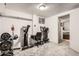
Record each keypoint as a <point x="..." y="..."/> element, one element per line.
<point x="53" y="8"/>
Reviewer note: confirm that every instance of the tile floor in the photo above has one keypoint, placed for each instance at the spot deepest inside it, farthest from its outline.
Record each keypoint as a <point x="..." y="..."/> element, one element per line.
<point x="48" y="49"/>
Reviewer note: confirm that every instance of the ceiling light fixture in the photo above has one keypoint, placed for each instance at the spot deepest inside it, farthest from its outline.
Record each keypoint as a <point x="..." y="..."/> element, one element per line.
<point x="42" y="7"/>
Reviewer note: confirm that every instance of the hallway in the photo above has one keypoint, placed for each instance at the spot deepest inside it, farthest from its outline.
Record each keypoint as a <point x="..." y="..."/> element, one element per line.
<point x="48" y="49"/>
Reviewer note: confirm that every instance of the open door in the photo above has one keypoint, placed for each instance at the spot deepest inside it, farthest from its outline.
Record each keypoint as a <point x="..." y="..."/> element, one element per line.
<point x="63" y="28"/>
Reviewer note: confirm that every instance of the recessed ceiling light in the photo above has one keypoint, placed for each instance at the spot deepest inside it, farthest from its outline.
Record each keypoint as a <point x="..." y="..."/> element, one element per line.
<point x="42" y="7"/>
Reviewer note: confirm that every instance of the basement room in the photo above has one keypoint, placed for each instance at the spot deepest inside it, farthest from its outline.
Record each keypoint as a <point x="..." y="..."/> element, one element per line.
<point x="39" y="29"/>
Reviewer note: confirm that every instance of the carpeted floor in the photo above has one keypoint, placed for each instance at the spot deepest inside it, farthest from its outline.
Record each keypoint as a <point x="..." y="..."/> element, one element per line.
<point x="48" y="49"/>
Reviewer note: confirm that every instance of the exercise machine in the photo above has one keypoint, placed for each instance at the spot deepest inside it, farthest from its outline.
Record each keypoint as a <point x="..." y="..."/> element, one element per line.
<point x="41" y="37"/>
<point x="44" y="31"/>
<point x="6" y="44"/>
<point x="24" y="36"/>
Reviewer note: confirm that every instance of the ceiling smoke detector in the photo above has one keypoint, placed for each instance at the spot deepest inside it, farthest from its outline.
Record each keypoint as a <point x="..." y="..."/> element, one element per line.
<point x="42" y="7"/>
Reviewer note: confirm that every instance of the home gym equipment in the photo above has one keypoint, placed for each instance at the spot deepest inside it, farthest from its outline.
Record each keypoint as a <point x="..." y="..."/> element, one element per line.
<point x="41" y="37"/>
<point x="44" y="31"/>
<point x="36" y="38"/>
<point x="24" y="35"/>
<point x="6" y="44"/>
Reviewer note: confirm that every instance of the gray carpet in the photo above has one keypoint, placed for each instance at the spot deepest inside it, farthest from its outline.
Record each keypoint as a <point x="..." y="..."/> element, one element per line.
<point x="48" y="49"/>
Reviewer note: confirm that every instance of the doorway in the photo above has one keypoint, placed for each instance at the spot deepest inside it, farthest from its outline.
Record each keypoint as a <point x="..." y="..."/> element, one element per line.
<point x="64" y="28"/>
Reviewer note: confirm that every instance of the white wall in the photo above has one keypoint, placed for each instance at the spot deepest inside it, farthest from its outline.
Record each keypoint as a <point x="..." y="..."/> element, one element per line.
<point x="74" y="30"/>
<point x="66" y="26"/>
<point x="0" y="26"/>
<point x="52" y="23"/>
<point x="36" y="22"/>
